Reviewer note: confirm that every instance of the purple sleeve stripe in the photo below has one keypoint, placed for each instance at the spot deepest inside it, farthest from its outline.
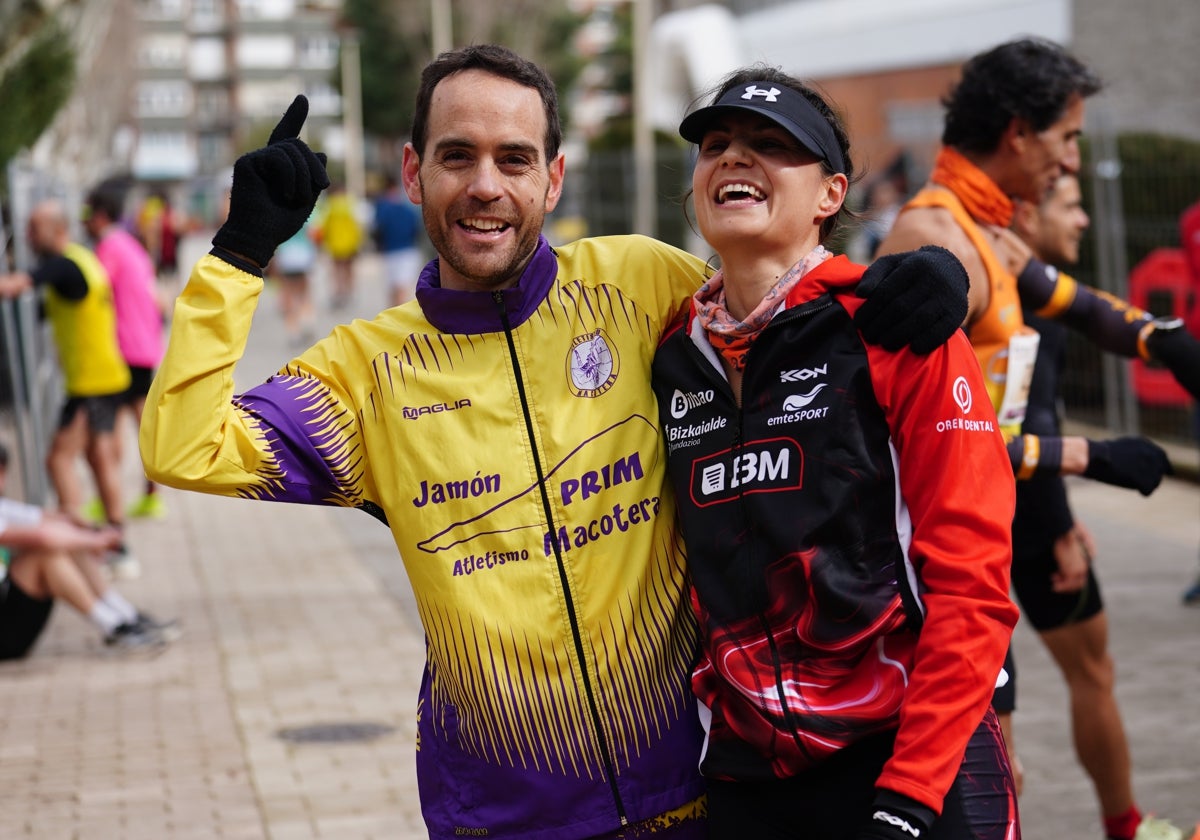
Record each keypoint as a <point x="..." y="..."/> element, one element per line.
<point x="311" y="441"/>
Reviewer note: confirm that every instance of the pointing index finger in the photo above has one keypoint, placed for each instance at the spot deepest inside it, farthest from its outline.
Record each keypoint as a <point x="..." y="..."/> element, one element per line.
<point x="292" y="122"/>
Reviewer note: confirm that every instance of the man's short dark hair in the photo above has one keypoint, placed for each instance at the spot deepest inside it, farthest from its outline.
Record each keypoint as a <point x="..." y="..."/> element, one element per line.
<point x="1032" y="79"/>
<point x="3" y="456"/>
<point x="499" y="61"/>
<point x="107" y="200"/>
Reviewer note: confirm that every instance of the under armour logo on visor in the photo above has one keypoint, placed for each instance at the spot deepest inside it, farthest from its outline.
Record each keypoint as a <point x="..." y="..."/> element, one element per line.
<point x="769" y="95"/>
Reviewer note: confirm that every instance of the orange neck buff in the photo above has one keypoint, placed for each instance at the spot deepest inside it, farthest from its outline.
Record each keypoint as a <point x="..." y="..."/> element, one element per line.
<point x="977" y="192"/>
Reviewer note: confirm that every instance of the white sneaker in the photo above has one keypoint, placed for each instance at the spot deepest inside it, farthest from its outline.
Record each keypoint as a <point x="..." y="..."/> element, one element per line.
<point x="1152" y="828"/>
<point x="169" y="630"/>
<point x="131" y="637"/>
<point x="122" y="565"/>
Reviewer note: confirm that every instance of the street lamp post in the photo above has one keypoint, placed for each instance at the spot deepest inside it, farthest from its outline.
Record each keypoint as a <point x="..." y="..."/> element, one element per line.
<point x="440" y="26"/>
<point x="645" y="216"/>
<point x="352" y="120"/>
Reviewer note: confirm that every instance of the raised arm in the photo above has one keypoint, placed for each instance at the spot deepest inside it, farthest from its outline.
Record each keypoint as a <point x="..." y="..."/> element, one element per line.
<point x="275" y="441"/>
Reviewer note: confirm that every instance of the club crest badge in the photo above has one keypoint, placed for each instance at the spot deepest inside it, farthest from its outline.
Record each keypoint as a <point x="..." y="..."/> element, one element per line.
<point x="592" y="364"/>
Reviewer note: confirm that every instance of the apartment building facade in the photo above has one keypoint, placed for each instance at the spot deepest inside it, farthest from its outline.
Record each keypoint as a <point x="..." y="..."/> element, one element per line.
<point x="212" y="75"/>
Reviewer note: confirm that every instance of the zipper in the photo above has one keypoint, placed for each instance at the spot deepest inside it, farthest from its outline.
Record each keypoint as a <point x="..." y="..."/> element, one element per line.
<point x="801" y="312"/>
<point x="789" y="716"/>
<point x="589" y="691"/>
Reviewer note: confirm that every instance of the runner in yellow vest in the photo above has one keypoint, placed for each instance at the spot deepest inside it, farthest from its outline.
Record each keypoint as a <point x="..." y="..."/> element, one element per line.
<point x="79" y="306"/>
<point x="341" y="235"/>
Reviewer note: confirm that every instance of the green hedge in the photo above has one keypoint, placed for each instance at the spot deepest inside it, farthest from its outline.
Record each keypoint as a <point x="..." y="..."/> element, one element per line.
<point x="1159" y="178"/>
<point x="33" y="90"/>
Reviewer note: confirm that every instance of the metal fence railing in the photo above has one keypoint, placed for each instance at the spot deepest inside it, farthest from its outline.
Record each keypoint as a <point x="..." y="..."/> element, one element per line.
<point x="1135" y="190"/>
<point x="30" y="380"/>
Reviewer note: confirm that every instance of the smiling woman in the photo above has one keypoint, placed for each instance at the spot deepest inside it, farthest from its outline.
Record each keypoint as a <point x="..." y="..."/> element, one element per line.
<point x="852" y="594"/>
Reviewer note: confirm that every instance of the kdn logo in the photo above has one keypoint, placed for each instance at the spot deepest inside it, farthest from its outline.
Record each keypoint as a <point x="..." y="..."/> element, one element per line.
<point x="802" y="374"/>
<point x="899" y="822"/>
<point x="681" y="402"/>
<point x="962" y="394"/>
<point x="768" y="95"/>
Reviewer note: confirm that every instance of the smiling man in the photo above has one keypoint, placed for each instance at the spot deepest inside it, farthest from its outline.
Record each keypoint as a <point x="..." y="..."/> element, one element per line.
<point x="484" y="194"/>
<point x="555" y="702"/>
<point x="1012" y="128"/>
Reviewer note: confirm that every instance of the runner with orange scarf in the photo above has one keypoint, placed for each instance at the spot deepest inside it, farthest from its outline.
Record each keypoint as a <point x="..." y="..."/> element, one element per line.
<point x="1012" y="128"/>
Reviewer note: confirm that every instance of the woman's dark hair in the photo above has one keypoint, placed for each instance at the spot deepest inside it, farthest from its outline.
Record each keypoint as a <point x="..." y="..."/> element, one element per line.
<point x="1033" y="79"/>
<point x="499" y="61"/>
<point x="775" y="76"/>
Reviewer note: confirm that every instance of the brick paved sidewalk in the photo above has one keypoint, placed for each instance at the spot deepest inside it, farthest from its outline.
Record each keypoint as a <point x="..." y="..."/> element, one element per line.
<point x="1147" y="555"/>
<point x="284" y="628"/>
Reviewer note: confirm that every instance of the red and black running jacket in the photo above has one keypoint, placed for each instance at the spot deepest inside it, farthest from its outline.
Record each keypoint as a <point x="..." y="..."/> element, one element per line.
<point x="847" y="519"/>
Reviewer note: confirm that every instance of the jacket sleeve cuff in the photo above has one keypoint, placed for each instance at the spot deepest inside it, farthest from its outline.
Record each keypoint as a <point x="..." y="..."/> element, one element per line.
<point x="237" y="261"/>
<point x="905" y="808"/>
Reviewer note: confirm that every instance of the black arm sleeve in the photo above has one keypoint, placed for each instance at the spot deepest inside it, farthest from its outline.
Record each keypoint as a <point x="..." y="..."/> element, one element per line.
<point x="1107" y="321"/>
<point x="62" y="275"/>
<point x="1042" y="506"/>
<point x="1032" y="455"/>
<point x="1180" y="351"/>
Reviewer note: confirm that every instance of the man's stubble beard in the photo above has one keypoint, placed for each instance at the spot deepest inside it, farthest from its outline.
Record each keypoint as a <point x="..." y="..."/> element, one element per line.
<point x="496" y="278"/>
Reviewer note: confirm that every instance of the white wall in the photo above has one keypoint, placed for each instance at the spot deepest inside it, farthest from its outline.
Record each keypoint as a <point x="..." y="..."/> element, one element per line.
<point x="826" y="38"/>
<point x="692" y="49"/>
<point x="266" y="51"/>
<point x="206" y="59"/>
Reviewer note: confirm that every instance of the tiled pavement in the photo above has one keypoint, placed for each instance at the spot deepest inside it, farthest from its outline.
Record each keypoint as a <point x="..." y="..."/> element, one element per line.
<point x="299" y="617"/>
<point x="285" y="627"/>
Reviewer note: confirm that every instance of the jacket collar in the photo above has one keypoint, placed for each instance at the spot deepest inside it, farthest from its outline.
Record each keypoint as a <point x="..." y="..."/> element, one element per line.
<point x="836" y="273"/>
<point x="454" y="311"/>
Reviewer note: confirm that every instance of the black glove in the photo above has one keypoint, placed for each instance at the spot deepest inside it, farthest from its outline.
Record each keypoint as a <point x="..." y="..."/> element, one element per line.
<point x="1176" y="348"/>
<point x="1132" y="462"/>
<point x="916" y="299"/>
<point x="896" y="817"/>
<point x="274" y="191"/>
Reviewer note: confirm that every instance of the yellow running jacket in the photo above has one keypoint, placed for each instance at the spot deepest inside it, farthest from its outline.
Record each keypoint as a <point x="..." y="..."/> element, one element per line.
<point x="511" y="442"/>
